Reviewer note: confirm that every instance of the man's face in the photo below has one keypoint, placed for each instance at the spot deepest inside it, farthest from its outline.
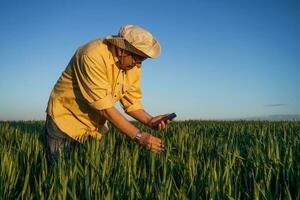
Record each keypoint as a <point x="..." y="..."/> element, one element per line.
<point x="128" y="60"/>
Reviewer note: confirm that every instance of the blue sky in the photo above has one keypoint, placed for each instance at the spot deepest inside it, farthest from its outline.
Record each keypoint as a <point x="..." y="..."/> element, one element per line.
<point x="220" y="59"/>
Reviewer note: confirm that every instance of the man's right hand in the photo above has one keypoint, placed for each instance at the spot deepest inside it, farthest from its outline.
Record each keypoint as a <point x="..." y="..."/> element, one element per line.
<point x="120" y="122"/>
<point x="152" y="143"/>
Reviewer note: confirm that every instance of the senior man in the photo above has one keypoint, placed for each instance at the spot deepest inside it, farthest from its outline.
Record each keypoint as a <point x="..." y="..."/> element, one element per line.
<point x="99" y="74"/>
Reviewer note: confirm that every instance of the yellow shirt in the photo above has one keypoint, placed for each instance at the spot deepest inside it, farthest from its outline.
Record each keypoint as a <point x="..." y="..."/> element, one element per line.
<point x="92" y="82"/>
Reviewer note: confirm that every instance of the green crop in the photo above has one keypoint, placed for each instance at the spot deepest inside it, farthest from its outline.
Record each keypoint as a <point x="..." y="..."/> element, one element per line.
<point x="202" y="160"/>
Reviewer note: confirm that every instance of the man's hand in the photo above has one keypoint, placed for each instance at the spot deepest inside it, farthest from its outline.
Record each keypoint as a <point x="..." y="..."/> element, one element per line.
<point x="161" y="125"/>
<point x="152" y="143"/>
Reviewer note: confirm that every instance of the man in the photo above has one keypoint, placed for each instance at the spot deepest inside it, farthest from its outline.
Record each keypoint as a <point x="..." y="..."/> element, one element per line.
<point x="99" y="74"/>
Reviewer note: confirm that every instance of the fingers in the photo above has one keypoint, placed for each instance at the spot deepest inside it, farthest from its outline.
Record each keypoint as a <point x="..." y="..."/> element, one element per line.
<point x="154" y="144"/>
<point x="157" y="145"/>
<point x="153" y="121"/>
<point x="163" y="124"/>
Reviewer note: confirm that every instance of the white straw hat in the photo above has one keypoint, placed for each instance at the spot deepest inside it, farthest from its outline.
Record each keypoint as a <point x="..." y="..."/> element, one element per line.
<point x="136" y="40"/>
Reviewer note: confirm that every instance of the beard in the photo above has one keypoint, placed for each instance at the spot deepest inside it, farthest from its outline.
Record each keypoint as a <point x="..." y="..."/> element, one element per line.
<point x="125" y="66"/>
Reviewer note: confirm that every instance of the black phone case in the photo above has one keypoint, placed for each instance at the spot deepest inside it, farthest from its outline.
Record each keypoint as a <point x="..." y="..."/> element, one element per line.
<point x="169" y="117"/>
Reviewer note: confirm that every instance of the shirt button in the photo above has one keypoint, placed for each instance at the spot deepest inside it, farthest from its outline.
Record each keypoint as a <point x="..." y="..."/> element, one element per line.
<point x="115" y="95"/>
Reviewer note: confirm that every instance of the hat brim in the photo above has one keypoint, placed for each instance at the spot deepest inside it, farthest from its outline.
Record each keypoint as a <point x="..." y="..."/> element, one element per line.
<point x="124" y="44"/>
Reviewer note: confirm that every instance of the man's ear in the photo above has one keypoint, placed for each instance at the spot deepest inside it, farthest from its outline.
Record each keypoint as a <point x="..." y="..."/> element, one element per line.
<point x="118" y="51"/>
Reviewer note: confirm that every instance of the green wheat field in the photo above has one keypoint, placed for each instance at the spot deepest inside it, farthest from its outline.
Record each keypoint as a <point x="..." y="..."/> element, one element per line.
<point x="202" y="160"/>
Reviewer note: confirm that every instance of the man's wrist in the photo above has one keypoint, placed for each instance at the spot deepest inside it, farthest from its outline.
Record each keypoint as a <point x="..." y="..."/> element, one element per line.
<point x="138" y="136"/>
<point x="149" y="124"/>
<point x="142" y="138"/>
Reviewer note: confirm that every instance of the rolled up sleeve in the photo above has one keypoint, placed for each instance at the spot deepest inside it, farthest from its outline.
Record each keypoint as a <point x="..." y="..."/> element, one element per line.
<point x="132" y="100"/>
<point x="104" y="103"/>
<point x="91" y="76"/>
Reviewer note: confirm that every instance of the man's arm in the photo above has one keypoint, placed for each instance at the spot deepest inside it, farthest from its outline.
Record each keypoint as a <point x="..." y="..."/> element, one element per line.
<point x="120" y="122"/>
<point x="141" y="115"/>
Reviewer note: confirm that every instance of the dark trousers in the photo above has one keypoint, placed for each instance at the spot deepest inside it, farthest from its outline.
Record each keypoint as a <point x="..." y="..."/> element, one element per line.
<point x="56" y="141"/>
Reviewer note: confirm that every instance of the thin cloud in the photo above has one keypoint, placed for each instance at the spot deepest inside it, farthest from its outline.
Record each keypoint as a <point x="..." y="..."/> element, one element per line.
<point x="275" y="105"/>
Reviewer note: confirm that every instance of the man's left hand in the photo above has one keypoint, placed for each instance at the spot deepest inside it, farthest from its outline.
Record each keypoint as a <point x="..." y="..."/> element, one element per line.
<point x="161" y="125"/>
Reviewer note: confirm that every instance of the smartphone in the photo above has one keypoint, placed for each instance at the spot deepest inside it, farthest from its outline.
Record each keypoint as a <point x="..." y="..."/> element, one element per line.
<point x="169" y="117"/>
